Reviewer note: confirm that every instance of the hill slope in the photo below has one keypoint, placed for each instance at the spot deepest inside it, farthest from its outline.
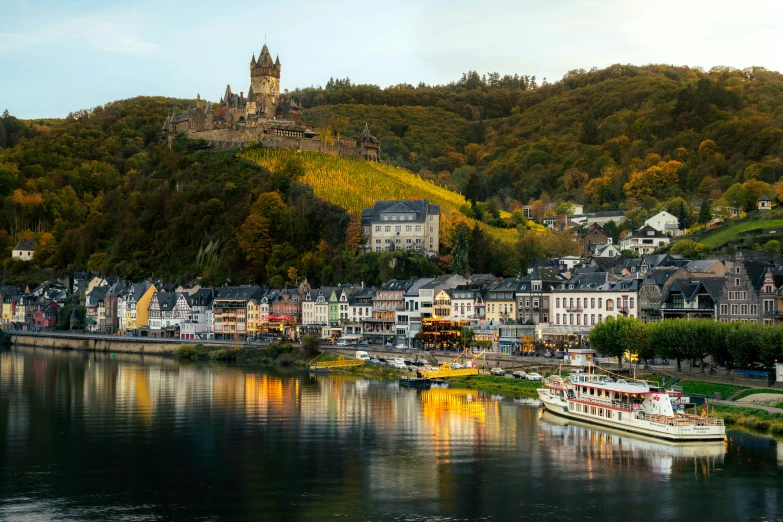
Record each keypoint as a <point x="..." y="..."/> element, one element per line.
<point x="353" y="184"/>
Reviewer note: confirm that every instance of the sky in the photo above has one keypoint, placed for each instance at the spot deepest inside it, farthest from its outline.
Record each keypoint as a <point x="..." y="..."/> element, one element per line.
<point x="58" y="56"/>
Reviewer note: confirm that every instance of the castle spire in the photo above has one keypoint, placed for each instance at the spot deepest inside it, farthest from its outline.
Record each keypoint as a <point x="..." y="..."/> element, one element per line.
<point x="277" y="61"/>
<point x="253" y="61"/>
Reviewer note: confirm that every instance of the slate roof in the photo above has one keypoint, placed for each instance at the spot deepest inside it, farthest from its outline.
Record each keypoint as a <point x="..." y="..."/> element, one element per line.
<point x="414" y="288"/>
<point x="98" y="294"/>
<point x="659" y="276"/>
<point x="397" y="285"/>
<point x="701" y="265"/>
<point x="689" y="288"/>
<point x="238" y="293"/>
<point x="25" y="244"/>
<point x="764" y="198"/>
<point x="203" y="297"/>
<point x="421" y="207"/>
<point x="644" y="233"/>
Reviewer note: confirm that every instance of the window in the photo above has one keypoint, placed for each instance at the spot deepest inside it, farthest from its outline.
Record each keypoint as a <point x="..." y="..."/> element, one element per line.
<point x="754" y="309"/>
<point x="724" y="309"/>
<point x="387" y="228"/>
<point x="378" y="228"/>
<point x="557" y="302"/>
<point x="377" y="241"/>
<point x="386" y="218"/>
<point x="592" y="302"/>
<point x="431" y="229"/>
<point x="557" y="318"/>
<point x="734" y="309"/>
<point x="736" y="281"/>
<point x="600" y="317"/>
<point x="631" y="302"/>
<point x="599" y="303"/>
<point x="408" y="241"/>
<point x="430" y="240"/>
<point x="744" y="309"/>
<point x="592" y="319"/>
<point x="432" y="218"/>
<point x="408" y="228"/>
<point x="397" y="229"/>
<point x="394" y="218"/>
<point x="609" y="305"/>
<point x="418" y="228"/>
<point x="387" y="241"/>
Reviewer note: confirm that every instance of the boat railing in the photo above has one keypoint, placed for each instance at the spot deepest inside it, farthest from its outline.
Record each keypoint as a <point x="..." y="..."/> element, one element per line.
<point x="601" y="401"/>
<point x="684" y="420"/>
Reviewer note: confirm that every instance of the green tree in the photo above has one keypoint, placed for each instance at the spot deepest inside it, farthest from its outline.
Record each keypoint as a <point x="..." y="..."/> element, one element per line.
<point x="617" y="336"/>
<point x="311" y="345"/>
<point x="687" y="248"/>
<point x="736" y="196"/>
<point x="254" y="240"/>
<point x="473" y="190"/>
<point x="460" y="252"/>
<point x="705" y="212"/>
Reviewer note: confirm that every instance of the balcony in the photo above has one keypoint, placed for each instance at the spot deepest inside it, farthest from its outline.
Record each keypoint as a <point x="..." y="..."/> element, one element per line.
<point x="772" y="313"/>
<point x="577" y="308"/>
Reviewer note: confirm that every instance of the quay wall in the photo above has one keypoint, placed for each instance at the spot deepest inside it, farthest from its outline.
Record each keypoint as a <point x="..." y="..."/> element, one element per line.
<point x="97" y="344"/>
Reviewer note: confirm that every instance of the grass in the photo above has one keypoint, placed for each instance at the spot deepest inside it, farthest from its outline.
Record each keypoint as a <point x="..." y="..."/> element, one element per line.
<point x="733" y="231"/>
<point x="708" y="389"/>
<point x="750" y="418"/>
<point x="496" y="384"/>
<point x="756" y="391"/>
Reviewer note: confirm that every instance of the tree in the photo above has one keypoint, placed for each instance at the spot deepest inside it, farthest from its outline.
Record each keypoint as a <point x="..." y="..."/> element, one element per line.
<point x="473" y="190"/>
<point x="654" y="181"/>
<point x="687" y="248"/>
<point x="772" y="247"/>
<point x="565" y="209"/>
<point x="679" y="208"/>
<point x="311" y="345"/>
<point x="254" y="239"/>
<point x="618" y="336"/>
<point x="460" y="252"/>
<point x="736" y="196"/>
<point x="705" y="213"/>
<point x="599" y="190"/>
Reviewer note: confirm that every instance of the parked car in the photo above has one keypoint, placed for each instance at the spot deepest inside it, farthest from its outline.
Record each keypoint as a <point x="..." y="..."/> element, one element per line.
<point x="343" y="343"/>
<point x="560" y="355"/>
<point x="548" y="355"/>
<point x="457" y="366"/>
<point x="519" y="374"/>
<point x="498" y="371"/>
<point x="399" y="363"/>
<point x="401" y="346"/>
<point x="364" y="356"/>
<point x="364" y="343"/>
<point x="388" y="344"/>
<point x="533" y="376"/>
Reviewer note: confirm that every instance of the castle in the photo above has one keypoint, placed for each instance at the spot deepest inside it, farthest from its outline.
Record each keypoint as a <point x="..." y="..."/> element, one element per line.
<point x="266" y="116"/>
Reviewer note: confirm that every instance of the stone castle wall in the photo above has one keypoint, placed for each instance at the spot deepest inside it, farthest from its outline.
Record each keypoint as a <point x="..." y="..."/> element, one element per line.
<point x="228" y="138"/>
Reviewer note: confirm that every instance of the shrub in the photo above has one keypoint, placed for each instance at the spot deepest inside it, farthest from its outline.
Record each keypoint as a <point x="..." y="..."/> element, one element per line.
<point x="185" y="351"/>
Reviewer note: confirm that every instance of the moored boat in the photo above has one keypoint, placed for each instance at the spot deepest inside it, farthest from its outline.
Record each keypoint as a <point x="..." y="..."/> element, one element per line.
<point x="415" y="382"/>
<point x="632" y="406"/>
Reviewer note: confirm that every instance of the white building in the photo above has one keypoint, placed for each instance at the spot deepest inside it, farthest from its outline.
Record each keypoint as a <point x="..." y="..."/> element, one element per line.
<point x="645" y="241"/>
<point x="24" y="250"/>
<point x="587" y="299"/>
<point x="665" y="223"/>
<point x="609" y="250"/>
<point x="402" y="225"/>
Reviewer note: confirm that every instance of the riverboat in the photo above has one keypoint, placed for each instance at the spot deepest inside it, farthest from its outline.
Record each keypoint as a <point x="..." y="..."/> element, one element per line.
<point x="628" y="405"/>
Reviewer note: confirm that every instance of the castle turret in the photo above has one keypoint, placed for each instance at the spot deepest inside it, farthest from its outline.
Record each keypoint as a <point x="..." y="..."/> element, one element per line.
<point x="265" y="82"/>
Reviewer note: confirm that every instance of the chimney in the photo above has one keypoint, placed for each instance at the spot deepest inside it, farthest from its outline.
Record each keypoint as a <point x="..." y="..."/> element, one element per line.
<point x="241" y="94"/>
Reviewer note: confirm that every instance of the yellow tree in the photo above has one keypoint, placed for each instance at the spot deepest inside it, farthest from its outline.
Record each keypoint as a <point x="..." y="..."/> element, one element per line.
<point x="254" y="239"/>
<point x="599" y="190"/>
<point x="653" y="181"/>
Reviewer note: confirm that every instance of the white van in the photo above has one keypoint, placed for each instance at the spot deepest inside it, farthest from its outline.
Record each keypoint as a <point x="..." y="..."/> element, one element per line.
<point x="362" y="355"/>
<point x="399" y="363"/>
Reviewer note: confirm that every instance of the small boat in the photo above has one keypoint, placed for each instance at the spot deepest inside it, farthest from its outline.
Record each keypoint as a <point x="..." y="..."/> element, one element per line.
<point x="319" y="369"/>
<point x="440" y="383"/>
<point x="415" y="382"/>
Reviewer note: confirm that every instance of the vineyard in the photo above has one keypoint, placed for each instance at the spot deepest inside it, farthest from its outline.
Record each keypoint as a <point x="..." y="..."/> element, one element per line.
<point x="354" y="184"/>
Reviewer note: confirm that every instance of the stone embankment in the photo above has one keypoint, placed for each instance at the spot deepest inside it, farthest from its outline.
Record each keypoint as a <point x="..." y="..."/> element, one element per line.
<point x="93" y="343"/>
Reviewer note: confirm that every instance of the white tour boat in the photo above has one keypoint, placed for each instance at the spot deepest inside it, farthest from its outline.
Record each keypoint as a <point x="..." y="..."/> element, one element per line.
<point x="631" y="406"/>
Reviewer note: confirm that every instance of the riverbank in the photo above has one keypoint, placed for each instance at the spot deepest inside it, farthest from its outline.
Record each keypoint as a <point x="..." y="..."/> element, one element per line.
<point x="755" y="419"/>
<point x="496" y="384"/>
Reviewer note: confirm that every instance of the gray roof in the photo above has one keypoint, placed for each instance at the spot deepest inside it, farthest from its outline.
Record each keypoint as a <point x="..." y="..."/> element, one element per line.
<point x="397" y="285"/>
<point x="764" y="198"/>
<point x="701" y="265"/>
<point x="239" y="293"/>
<point x="644" y="233"/>
<point x="414" y="289"/>
<point x="25" y="244"/>
<point x="420" y="207"/>
<point x="98" y="294"/>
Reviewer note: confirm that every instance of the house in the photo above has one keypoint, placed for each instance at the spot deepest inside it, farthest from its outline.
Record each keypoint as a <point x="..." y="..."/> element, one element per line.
<point x="359" y="307"/>
<point x="601" y="218"/>
<point x="742" y="285"/>
<point x="24" y="250"/>
<point x="229" y="311"/>
<point x="443" y="303"/>
<point x="465" y="301"/>
<point x="95" y="309"/>
<point x="655" y="284"/>
<point x="591" y="237"/>
<point x="588" y="299"/>
<point x="501" y="301"/>
<point x="645" y="241"/>
<point x="80" y="281"/>
<point x="534" y="295"/>
<point x="45" y="315"/>
<point x="693" y="298"/>
<point x="402" y="225"/>
<point x="199" y="325"/>
<point x="136" y="306"/>
<point x="381" y="326"/>
<point x="665" y="223"/>
<point x="606" y="251"/>
<point x="167" y="312"/>
<point x="764" y="203"/>
<point x="706" y="267"/>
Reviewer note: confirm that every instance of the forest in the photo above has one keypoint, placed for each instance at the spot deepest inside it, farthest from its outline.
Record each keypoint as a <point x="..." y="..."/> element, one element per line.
<point x="100" y="190"/>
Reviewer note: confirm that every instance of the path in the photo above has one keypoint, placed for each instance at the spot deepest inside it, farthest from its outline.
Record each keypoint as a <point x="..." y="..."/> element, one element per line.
<point x="769" y="409"/>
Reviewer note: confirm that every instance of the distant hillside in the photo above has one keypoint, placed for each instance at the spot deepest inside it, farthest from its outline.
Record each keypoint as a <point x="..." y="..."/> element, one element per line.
<point x="585" y="137"/>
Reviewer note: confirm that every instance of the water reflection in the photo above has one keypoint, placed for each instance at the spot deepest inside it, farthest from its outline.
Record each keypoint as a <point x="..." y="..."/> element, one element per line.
<point x="574" y="441"/>
<point x="94" y="437"/>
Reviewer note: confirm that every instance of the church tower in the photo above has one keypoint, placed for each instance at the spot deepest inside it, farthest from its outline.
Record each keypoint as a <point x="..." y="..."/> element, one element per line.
<point x="265" y="82"/>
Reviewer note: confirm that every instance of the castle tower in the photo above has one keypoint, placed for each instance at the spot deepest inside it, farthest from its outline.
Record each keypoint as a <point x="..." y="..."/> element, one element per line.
<point x="265" y="82"/>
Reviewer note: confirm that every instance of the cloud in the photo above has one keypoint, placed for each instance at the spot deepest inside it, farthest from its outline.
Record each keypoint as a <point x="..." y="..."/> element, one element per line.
<point x="110" y="34"/>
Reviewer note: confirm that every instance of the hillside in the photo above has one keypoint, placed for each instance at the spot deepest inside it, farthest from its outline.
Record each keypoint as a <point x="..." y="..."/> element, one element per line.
<point x="353" y="185"/>
<point x="752" y="232"/>
<point x="601" y="137"/>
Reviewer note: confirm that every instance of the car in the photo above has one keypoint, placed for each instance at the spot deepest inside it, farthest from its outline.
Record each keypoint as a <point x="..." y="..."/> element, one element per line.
<point x="457" y="366"/>
<point x="364" y="343"/>
<point x="548" y="355"/>
<point x="342" y="343"/>
<point x="559" y="355"/>
<point x="401" y="346"/>
<point x="388" y="344"/>
<point x="362" y="355"/>
<point x="533" y="376"/>
<point x="519" y="374"/>
<point x="498" y="371"/>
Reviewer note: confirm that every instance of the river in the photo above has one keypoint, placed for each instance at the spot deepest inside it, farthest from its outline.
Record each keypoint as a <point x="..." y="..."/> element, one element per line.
<point x="87" y="436"/>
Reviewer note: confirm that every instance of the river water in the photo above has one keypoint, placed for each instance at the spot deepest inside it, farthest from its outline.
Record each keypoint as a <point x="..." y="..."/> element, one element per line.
<point x="96" y="437"/>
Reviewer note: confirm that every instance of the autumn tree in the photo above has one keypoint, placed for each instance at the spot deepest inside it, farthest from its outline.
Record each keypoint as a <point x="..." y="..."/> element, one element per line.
<point x="654" y="181"/>
<point x="254" y="239"/>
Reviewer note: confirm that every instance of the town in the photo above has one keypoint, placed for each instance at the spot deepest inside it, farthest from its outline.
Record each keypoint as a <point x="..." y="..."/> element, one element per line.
<point x="554" y="305"/>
